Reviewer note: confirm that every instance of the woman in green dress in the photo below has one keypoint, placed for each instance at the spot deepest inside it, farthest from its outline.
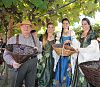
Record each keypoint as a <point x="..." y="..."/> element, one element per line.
<point x="46" y="64"/>
<point x="86" y="36"/>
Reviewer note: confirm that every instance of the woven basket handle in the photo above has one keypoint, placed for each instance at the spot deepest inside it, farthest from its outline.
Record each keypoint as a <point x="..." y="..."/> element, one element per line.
<point x="62" y="50"/>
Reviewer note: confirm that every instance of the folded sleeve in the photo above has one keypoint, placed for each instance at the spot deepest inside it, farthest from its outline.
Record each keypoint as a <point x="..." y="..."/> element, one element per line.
<point x="89" y="53"/>
<point x="7" y="56"/>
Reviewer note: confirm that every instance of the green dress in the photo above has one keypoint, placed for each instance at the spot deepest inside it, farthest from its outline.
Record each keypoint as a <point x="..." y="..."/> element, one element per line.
<point x="81" y="81"/>
<point x="45" y="67"/>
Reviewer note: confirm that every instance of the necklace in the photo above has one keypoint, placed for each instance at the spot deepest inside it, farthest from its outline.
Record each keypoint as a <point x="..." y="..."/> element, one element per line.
<point x="51" y="37"/>
<point x="67" y="33"/>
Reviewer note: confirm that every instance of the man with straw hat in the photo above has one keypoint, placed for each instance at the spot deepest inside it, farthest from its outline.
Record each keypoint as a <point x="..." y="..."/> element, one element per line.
<point x="26" y="71"/>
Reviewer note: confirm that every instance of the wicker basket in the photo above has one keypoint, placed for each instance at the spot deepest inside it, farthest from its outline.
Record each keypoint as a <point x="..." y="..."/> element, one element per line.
<point x="63" y="50"/>
<point x="21" y="53"/>
<point x="91" y="70"/>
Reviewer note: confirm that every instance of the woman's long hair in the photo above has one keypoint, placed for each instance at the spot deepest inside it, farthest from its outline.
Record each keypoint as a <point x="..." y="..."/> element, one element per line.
<point x="45" y="36"/>
<point x="65" y="19"/>
<point x="88" y="21"/>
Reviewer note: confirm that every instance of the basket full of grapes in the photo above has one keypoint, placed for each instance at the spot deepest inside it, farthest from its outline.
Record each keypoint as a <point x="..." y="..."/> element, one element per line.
<point x="21" y="53"/>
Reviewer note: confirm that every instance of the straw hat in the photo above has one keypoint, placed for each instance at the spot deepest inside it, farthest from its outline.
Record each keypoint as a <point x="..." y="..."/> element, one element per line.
<point x="25" y="22"/>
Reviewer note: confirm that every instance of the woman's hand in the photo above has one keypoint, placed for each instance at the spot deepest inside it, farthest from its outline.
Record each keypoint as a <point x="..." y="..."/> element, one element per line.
<point x="77" y="50"/>
<point x="98" y="39"/>
<point x="67" y="41"/>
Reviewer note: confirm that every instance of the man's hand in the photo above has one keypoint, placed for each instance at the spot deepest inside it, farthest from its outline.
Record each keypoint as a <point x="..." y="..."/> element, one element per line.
<point x="36" y="48"/>
<point x="16" y="65"/>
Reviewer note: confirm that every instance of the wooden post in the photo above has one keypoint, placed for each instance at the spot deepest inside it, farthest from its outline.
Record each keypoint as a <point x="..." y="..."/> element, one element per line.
<point x="10" y="27"/>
